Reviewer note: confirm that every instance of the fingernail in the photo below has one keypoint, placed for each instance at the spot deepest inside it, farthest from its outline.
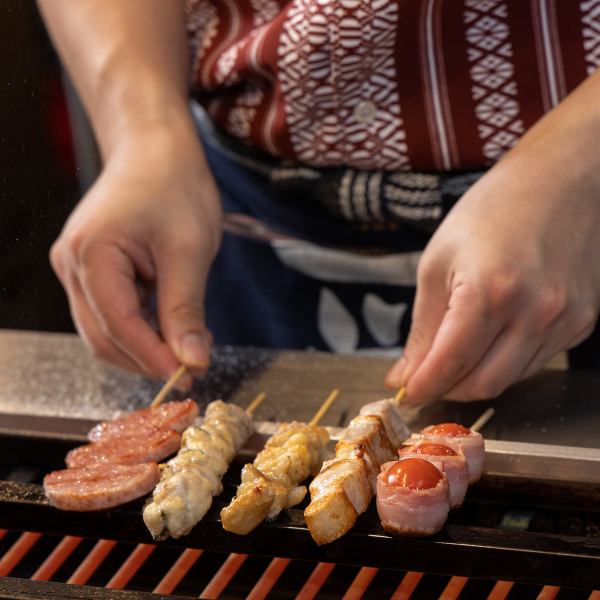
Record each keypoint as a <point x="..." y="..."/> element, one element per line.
<point x="185" y="383"/>
<point x="395" y="376"/>
<point x="194" y="351"/>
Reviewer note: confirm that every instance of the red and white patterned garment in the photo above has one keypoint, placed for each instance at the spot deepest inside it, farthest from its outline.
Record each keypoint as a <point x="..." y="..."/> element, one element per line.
<point x="412" y="85"/>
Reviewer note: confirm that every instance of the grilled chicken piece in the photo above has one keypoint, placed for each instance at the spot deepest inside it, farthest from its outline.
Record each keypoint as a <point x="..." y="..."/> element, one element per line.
<point x="271" y="483"/>
<point x="191" y="479"/>
<point x="253" y="502"/>
<point x="346" y="484"/>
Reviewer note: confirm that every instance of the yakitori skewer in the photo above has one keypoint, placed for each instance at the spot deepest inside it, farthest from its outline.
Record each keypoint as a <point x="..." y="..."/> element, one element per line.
<point x="234" y="561"/>
<point x="189" y="481"/>
<point x="273" y="481"/>
<point x="169" y="385"/>
<point x="456" y="583"/>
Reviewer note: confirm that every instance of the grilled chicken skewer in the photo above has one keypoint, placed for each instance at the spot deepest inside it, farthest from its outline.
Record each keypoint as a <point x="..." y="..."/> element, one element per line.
<point x="272" y="482"/>
<point x="346" y="484"/>
<point x="190" y="480"/>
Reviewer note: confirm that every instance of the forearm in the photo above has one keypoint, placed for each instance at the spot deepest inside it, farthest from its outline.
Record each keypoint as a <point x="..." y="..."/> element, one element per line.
<point x="128" y="60"/>
<point x="567" y="138"/>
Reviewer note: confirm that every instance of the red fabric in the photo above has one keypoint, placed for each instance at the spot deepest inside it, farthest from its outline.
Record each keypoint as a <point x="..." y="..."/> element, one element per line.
<point x="424" y="85"/>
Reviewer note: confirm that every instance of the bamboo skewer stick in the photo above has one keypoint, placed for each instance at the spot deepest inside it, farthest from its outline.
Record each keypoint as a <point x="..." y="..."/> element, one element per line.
<point x="400" y="395"/>
<point x="256" y="403"/>
<point x="483" y="419"/>
<point x="166" y="389"/>
<point x="278" y="565"/>
<point x="324" y="407"/>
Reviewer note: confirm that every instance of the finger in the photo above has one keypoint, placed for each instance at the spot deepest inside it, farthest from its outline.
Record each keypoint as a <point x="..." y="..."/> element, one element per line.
<point x="502" y="365"/>
<point x="431" y="301"/>
<point x="108" y="282"/>
<point x="565" y="336"/>
<point x="465" y="335"/>
<point x="90" y="332"/>
<point x="181" y="282"/>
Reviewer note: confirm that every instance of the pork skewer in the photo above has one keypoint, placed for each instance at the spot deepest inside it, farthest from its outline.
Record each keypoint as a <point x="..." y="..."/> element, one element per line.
<point x="273" y="481"/>
<point x="345" y="485"/>
<point x="190" y="480"/>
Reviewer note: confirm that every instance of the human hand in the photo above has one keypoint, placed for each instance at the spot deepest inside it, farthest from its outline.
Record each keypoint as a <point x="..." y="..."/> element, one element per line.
<point x="152" y="219"/>
<point x="510" y="278"/>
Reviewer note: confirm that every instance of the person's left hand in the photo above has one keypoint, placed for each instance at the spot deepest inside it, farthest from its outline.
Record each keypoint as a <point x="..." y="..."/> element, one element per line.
<point x="512" y="276"/>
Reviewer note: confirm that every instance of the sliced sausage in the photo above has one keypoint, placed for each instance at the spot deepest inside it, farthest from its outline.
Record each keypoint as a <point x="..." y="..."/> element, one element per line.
<point x="100" y="487"/>
<point x="129" y="450"/>
<point x="177" y="415"/>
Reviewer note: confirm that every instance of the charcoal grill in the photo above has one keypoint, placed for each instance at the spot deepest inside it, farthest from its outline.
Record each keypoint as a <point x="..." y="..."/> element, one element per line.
<point x="529" y="528"/>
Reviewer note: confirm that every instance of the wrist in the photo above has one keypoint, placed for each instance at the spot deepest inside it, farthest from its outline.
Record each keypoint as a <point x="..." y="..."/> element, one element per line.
<point x="165" y="119"/>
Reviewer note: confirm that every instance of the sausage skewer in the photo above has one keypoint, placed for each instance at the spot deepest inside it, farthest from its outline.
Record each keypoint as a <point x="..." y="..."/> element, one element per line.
<point x="169" y="385"/>
<point x="119" y="465"/>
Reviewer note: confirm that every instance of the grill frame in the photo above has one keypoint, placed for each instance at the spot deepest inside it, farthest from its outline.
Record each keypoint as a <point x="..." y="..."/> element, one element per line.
<point x="461" y="550"/>
<point x="13" y="588"/>
<point x="458" y="550"/>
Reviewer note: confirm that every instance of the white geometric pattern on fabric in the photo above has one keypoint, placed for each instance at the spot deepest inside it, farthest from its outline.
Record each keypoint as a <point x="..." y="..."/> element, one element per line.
<point x="202" y="24"/>
<point x="336" y="324"/>
<point x="225" y="64"/>
<point x="494" y="89"/>
<point x="338" y="78"/>
<point x="264" y="11"/>
<point x="383" y="319"/>
<point x="591" y="33"/>
<point x="242" y="115"/>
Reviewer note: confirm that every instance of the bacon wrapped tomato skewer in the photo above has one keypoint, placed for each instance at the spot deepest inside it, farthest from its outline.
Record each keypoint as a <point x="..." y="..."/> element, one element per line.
<point x="452" y="461"/>
<point x="472" y="444"/>
<point x="413" y="497"/>
<point x="409" y="496"/>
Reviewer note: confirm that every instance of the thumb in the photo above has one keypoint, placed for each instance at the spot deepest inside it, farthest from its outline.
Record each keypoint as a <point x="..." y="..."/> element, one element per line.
<point x="181" y="284"/>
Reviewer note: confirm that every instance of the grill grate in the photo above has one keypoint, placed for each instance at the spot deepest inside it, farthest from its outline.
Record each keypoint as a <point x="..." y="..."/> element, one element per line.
<point x="193" y="573"/>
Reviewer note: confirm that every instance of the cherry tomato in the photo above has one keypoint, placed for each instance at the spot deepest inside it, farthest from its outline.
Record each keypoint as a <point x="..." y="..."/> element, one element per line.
<point x="434" y="450"/>
<point x="449" y="429"/>
<point x="413" y="473"/>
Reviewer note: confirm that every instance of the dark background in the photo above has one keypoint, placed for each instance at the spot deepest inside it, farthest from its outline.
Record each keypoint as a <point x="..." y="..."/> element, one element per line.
<point x="39" y="182"/>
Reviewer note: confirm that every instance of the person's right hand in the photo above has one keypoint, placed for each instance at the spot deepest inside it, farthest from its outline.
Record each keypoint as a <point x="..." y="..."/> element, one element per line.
<point x="152" y="219"/>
